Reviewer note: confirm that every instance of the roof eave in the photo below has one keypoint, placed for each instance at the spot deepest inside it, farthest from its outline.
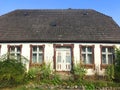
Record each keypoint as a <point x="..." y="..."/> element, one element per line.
<point x="56" y="41"/>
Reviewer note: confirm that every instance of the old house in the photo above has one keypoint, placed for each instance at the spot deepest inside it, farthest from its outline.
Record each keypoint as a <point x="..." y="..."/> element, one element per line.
<point x="61" y="37"/>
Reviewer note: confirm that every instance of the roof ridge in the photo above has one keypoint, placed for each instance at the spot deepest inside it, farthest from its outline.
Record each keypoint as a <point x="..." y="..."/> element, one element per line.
<point x="57" y="9"/>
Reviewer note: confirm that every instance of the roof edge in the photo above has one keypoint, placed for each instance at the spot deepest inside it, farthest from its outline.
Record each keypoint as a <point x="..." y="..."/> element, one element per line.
<point x="60" y="42"/>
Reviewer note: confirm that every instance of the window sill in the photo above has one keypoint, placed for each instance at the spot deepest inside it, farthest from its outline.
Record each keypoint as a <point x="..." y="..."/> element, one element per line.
<point x="36" y="64"/>
<point x="104" y="66"/>
<point x="90" y="66"/>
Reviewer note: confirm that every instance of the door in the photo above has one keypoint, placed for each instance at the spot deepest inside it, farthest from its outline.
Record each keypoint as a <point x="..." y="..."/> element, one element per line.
<point x="63" y="59"/>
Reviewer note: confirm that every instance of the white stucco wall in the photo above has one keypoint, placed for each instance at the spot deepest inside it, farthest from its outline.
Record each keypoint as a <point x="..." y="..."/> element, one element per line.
<point x="49" y="53"/>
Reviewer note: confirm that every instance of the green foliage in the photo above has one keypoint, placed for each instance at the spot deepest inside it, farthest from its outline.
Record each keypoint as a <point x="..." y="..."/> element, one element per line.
<point x="32" y="73"/>
<point x="45" y="71"/>
<point x="11" y="72"/>
<point x="43" y="75"/>
<point x="56" y="79"/>
<point x="39" y="73"/>
<point x="100" y="83"/>
<point x="79" y="71"/>
<point x="89" y="86"/>
<point x="110" y="72"/>
<point x="117" y="64"/>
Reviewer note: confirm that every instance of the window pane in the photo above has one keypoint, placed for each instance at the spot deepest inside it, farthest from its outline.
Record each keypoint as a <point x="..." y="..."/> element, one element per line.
<point x="12" y="55"/>
<point x="89" y="61"/>
<point x="12" y="49"/>
<point x="40" y="49"/>
<point x="35" y="49"/>
<point x="103" y="49"/>
<point x="83" y="49"/>
<point x="104" y="59"/>
<point x="18" y="56"/>
<point x="34" y="58"/>
<point x="110" y="50"/>
<point x="59" y="57"/>
<point x="84" y="58"/>
<point x="110" y="59"/>
<point x="40" y="58"/>
<point x="68" y="57"/>
<point x="18" y="48"/>
<point x="89" y="49"/>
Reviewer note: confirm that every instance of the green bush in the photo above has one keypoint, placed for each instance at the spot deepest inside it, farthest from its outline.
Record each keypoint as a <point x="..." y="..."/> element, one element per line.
<point x="110" y="72"/>
<point x="32" y="73"/>
<point x="39" y="73"/>
<point x="79" y="72"/>
<point x="44" y="72"/>
<point x="11" y="72"/>
<point x="100" y="83"/>
<point x="89" y="86"/>
<point x="56" y="79"/>
<point x="117" y="64"/>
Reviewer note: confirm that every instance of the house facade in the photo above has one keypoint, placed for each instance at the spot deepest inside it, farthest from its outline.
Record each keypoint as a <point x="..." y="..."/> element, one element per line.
<point x="61" y="38"/>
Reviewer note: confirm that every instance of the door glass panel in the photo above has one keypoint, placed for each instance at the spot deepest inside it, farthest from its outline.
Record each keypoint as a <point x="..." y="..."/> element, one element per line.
<point x="59" y="57"/>
<point x="68" y="57"/>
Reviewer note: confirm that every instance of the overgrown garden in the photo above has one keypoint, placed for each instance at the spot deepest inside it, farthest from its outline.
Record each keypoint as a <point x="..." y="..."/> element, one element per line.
<point x="13" y="74"/>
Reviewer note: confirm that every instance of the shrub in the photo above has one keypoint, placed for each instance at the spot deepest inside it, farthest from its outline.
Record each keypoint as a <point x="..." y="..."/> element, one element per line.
<point x="90" y="86"/>
<point x="32" y="73"/>
<point x="79" y="71"/>
<point x="11" y="72"/>
<point x="39" y="73"/>
<point x="117" y="64"/>
<point x="56" y="79"/>
<point x="110" y="72"/>
<point x="45" y="72"/>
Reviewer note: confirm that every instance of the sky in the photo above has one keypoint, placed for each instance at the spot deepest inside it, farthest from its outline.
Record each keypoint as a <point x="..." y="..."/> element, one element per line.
<point x="107" y="7"/>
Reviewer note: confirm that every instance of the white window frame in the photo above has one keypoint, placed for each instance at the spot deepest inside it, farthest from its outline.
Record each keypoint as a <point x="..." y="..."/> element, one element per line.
<point x="86" y="53"/>
<point x="15" y="52"/>
<point x="37" y="53"/>
<point x="106" y="53"/>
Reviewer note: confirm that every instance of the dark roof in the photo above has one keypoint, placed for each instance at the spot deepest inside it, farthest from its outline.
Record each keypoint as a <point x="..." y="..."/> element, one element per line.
<point x="67" y="25"/>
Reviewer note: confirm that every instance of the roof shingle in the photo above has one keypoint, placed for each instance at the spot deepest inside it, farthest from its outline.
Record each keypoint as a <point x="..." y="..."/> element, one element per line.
<point x="67" y="25"/>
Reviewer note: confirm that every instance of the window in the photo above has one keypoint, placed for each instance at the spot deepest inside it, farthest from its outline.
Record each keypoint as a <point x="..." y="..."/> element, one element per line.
<point x="37" y="54"/>
<point x="15" y="51"/>
<point x="107" y="55"/>
<point x="87" y="56"/>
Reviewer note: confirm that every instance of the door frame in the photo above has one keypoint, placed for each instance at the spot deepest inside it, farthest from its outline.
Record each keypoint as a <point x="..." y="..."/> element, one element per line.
<point x="71" y="46"/>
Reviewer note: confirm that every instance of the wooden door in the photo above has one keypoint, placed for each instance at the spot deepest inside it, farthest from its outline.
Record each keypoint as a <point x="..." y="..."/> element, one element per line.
<point x="63" y="59"/>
